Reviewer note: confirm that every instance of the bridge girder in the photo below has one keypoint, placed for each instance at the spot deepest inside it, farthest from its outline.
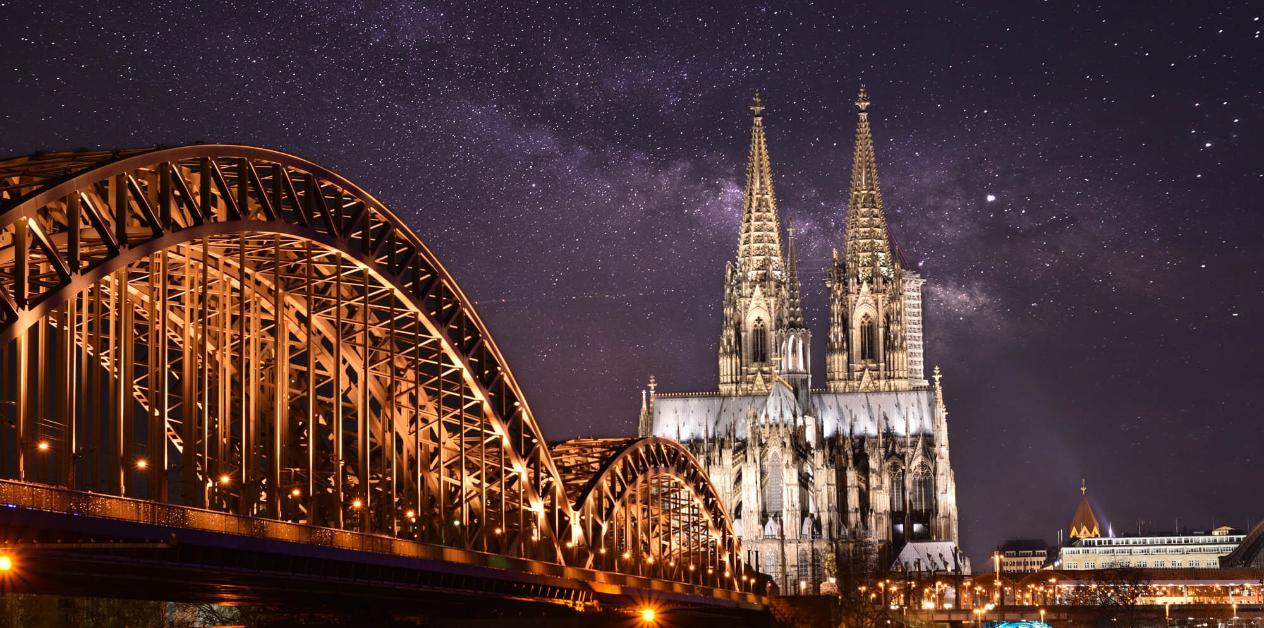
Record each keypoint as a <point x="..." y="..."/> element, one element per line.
<point x="266" y="338"/>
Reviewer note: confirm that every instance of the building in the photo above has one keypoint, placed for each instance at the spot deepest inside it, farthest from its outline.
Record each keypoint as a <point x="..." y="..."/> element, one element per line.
<point x="844" y="475"/>
<point x="1084" y="523"/>
<point x="1168" y="551"/>
<point x="1088" y="549"/>
<point x="1022" y="556"/>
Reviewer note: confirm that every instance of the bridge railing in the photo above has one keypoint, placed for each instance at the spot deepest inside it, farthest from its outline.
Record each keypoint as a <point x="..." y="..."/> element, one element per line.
<point x="173" y="518"/>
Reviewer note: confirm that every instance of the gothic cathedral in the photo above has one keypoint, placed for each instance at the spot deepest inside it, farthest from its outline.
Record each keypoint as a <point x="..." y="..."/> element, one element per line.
<point x="857" y="471"/>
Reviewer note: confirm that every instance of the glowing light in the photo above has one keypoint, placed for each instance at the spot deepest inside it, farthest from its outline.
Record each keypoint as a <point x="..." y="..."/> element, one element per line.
<point x="6" y="562"/>
<point x="142" y="464"/>
<point x="225" y="479"/>
<point x="42" y="445"/>
<point x="412" y="514"/>
<point x="498" y="531"/>
<point x="991" y="198"/>
<point x="356" y="503"/>
<point x="294" y="492"/>
<point x="648" y="615"/>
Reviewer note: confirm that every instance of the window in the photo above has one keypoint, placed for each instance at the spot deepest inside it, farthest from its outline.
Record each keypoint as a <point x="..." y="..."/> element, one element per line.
<point x="897" y="489"/>
<point x="867" y="337"/>
<point x="923" y="490"/>
<point x="759" y="342"/>
<point x="773" y="484"/>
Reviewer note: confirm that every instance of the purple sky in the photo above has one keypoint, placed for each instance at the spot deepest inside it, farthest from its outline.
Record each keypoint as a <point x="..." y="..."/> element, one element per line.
<point x="578" y="168"/>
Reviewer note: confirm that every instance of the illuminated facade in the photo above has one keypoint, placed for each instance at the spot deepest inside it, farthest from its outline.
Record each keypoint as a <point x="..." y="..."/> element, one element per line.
<point x="855" y="470"/>
<point x="1172" y="551"/>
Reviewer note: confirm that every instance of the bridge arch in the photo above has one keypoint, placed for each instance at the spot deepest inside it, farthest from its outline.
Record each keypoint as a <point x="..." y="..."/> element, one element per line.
<point x="236" y="328"/>
<point x="648" y="507"/>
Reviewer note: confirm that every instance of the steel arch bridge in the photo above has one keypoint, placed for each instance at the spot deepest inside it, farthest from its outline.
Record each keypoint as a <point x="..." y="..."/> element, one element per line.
<point x="234" y="339"/>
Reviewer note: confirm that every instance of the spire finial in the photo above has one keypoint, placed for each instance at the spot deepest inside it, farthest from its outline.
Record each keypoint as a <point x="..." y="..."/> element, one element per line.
<point x="757" y="105"/>
<point x="1083" y="486"/>
<point x="862" y="101"/>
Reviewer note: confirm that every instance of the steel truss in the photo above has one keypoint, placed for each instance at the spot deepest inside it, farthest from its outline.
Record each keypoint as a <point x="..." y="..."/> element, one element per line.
<point x="648" y="508"/>
<point x="237" y="329"/>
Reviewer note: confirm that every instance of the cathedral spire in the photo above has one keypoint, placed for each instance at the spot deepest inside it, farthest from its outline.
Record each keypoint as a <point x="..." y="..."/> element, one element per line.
<point x="794" y="303"/>
<point x="867" y="246"/>
<point x="759" y="248"/>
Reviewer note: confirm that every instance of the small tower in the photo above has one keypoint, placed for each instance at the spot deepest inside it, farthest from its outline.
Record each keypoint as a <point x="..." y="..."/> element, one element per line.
<point x="795" y="338"/>
<point x="1084" y="523"/>
<point x="755" y="295"/>
<point x="866" y="348"/>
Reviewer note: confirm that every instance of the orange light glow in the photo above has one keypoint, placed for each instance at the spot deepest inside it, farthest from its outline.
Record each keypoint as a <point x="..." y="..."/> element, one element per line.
<point x="42" y="445"/>
<point x="6" y="562"/>
<point x="648" y="615"/>
<point x="142" y="464"/>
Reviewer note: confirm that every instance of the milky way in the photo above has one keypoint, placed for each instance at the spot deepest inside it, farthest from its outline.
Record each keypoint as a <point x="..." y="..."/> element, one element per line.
<point x="1079" y="184"/>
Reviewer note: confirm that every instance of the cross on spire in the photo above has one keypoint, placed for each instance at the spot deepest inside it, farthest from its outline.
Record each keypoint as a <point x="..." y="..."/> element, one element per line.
<point x="757" y="106"/>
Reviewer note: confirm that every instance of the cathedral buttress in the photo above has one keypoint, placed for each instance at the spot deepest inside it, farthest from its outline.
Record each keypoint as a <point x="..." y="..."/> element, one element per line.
<point x="866" y="348"/>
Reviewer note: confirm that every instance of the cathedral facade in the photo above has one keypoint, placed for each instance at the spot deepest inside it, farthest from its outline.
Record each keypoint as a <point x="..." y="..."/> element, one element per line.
<point x="855" y="471"/>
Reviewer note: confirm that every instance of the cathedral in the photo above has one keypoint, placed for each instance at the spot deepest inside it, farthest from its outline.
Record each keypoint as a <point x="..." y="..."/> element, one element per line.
<point x="857" y="471"/>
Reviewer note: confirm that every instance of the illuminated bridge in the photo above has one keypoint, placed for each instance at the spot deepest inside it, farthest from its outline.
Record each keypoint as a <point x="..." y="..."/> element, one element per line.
<point x="227" y="374"/>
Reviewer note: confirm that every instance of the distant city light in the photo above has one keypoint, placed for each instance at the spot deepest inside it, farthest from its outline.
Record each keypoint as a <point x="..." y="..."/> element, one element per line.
<point x="991" y="197"/>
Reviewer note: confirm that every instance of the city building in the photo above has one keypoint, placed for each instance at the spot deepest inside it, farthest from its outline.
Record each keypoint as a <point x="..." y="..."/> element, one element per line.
<point x="1088" y="549"/>
<point x="840" y="476"/>
<point x="1168" y="551"/>
<point x="1022" y="556"/>
<point x="1084" y="523"/>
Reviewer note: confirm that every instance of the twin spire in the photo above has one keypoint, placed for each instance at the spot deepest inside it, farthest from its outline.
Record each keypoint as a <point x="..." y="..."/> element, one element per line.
<point x="867" y="244"/>
<point x="759" y="249"/>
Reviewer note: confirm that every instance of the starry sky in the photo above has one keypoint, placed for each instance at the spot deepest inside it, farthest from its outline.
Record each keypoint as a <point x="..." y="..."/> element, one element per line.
<point x="1079" y="184"/>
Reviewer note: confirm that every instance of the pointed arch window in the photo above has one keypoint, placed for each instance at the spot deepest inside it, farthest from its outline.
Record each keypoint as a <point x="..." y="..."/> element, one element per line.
<point x="773" y="484"/>
<point x="897" y="489"/>
<point x="867" y="338"/>
<point x="888" y="344"/>
<point x="759" y="341"/>
<point x="923" y="490"/>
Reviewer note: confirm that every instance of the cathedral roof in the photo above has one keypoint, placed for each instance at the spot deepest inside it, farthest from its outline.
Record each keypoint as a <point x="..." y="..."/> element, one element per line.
<point x="1084" y="523"/>
<point x="688" y="417"/>
<point x="781" y="405"/>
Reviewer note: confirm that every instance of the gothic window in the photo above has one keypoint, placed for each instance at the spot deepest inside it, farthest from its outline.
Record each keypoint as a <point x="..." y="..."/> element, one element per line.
<point x="773" y="484"/>
<point x="897" y="489"/>
<point x="923" y="490"/>
<point x="888" y="344"/>
<point x="867" y="336"/>
<point x="759" y="342"/>
<point x="804" y="569"/>
<point x="737" y="331"/>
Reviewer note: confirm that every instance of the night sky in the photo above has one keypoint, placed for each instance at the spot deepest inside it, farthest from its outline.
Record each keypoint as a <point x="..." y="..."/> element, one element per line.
<point x="1080" y="185"/>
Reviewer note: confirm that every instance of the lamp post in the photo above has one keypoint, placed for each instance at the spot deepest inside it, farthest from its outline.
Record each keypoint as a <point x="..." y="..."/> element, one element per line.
<point x="996" y="560"/>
